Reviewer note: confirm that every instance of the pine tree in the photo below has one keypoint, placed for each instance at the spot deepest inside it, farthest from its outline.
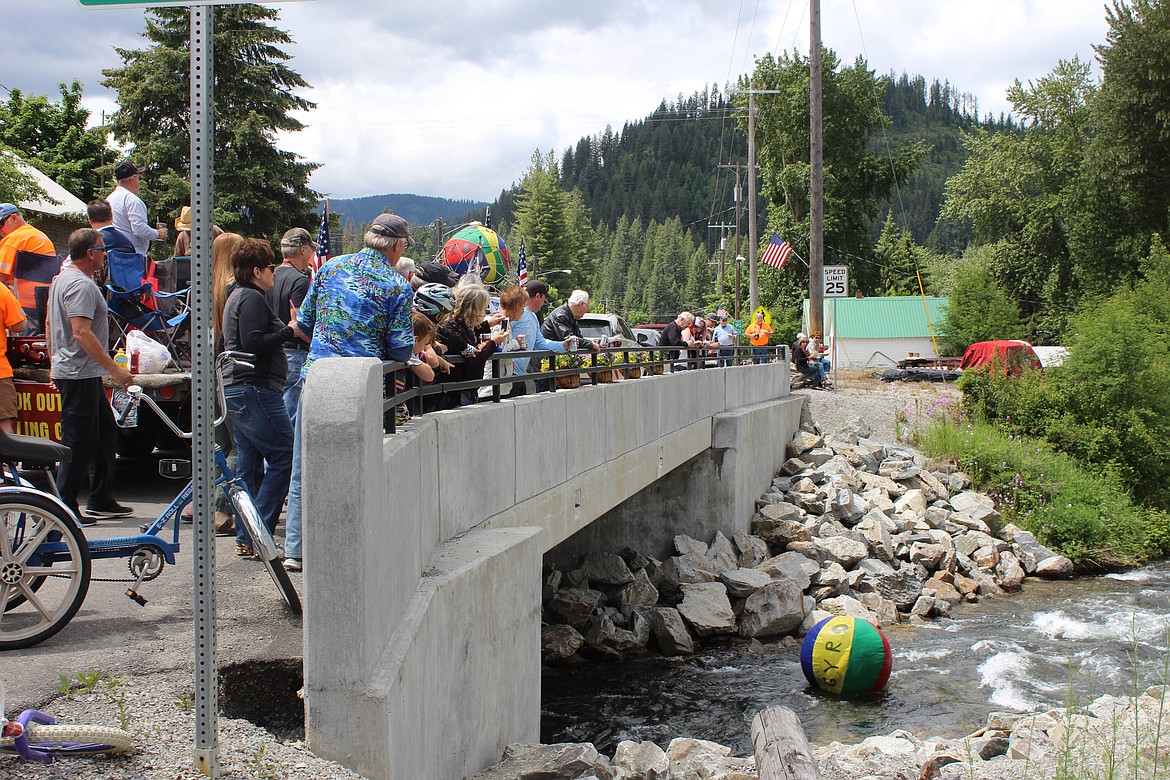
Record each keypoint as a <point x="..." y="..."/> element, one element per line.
<point x="260" y="190"/>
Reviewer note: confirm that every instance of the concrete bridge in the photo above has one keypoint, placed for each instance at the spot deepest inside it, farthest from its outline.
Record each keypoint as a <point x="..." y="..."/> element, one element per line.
<point x="423" y="549"/>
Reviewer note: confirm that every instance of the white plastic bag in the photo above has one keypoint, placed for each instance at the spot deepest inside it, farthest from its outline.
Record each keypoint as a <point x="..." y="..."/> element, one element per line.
<point x="152" y="356"/>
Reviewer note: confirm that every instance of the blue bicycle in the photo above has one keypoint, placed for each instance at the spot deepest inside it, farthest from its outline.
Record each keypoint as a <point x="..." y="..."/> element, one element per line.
<point x="46" y="561"/>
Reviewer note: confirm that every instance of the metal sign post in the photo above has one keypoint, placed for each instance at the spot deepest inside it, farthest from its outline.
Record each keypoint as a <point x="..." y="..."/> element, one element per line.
<point x="206" y="755"/>
<point x="835" y="285"/>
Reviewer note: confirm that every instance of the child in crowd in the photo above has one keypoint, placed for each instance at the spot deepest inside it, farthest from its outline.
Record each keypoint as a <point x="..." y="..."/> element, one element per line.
<point x="419" y="363"/>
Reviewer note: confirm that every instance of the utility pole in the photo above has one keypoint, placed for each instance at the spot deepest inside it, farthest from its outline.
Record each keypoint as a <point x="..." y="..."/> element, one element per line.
<point x="816" y="249"/>
<point x="722" y="252"/>
<point x="753" y="235"/>
<point x="738" y="213"/>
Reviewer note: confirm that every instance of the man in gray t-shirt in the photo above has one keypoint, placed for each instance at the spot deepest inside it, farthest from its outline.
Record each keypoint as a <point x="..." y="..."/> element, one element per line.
<point x="79" y="340"/>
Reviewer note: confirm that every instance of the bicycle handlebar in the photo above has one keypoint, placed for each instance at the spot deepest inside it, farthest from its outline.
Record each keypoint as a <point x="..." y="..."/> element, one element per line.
<point x="221" y="361"/>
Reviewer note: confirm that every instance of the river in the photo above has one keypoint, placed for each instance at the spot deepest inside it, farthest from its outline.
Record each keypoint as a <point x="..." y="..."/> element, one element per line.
<point x="1033" y="650"/>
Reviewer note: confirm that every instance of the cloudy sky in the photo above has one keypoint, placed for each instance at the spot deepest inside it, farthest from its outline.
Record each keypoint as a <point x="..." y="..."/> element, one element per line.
<point x="451" y="98"/>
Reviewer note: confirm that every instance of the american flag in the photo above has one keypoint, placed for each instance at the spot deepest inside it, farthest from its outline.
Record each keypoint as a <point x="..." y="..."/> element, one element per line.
<point x="324" y="252"/>
<point x="776" y="255"/>
<point x="522" y="266"/>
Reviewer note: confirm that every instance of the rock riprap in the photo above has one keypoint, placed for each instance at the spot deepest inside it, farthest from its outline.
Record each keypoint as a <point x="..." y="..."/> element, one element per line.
<point x="849" y="526"/>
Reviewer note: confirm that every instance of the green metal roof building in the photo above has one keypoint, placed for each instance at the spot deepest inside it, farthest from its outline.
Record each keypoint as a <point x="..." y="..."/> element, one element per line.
<point x="875" y="332"/>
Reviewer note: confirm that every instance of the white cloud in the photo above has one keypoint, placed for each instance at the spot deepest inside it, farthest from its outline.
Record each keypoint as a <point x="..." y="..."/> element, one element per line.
<point x="451" y="98"/>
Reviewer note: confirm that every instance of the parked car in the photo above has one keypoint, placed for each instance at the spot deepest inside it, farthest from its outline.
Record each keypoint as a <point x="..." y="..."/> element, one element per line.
<point x="612" y="326"/>
<point x="647" y="337"/>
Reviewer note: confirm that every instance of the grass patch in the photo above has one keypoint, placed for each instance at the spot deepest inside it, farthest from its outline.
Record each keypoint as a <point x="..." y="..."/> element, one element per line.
<point x="1085" y="516"/>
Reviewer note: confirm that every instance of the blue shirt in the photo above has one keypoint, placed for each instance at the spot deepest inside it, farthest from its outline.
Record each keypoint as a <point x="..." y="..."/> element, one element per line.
<point x="725" y="335"/>
<point x="529" y="327"/>
<point x="358" y="306"/>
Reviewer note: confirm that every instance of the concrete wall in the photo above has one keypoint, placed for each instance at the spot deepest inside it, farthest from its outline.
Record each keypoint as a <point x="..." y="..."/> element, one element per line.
<point x="423" y="549"/>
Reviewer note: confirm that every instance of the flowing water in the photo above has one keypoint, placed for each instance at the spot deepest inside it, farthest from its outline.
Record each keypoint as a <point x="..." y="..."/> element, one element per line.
<point x="1015" y="653"/>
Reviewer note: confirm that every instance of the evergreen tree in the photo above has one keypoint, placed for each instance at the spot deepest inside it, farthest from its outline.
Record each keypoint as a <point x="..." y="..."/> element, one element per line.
<point x="260" y="190"/>
<point x="53" y="137"/>
<point x="543" y="219"/>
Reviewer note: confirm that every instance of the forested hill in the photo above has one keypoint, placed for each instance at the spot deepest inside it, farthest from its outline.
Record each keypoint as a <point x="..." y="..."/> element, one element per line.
<point x="415" y="209"/>
<point x="666" y="165"/>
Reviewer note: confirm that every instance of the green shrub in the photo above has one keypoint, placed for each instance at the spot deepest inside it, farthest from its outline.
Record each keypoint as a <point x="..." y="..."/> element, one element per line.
<point x="1084" y="515"/>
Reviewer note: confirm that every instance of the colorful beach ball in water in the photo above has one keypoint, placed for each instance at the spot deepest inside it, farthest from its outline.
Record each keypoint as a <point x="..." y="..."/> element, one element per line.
<point x="846" y="656"/>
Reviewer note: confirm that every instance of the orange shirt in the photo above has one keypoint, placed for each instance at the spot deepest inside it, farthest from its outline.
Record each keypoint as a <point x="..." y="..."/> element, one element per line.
<point x="25" y="238"/>
<point x="759" y="333"/>
<point x="11" y="315"/>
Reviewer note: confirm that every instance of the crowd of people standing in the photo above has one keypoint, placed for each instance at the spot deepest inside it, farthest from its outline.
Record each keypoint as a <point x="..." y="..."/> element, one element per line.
<point x="372" y="303"/>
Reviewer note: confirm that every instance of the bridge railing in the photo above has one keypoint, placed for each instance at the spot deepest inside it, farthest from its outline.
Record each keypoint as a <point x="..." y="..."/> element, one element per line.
<point x="563" y="371"/>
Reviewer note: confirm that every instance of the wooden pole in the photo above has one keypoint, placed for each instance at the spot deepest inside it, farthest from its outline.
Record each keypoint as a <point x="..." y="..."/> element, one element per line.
<point x="753" y="234"/>
<point x="781" y="748"/>
<point x="816" y="224"/>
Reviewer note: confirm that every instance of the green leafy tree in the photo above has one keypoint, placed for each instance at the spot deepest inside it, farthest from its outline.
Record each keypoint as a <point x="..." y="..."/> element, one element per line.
<point x="977" y="308"/>
<point x="1027" y="194"/>
<point x="855" y="177"/>
<point x="543" y="219"/>
<point x="53" y="137"/>
<point x="16" y="186"/>
<point x="898" y="259"/>
<point x="259" y="189"/>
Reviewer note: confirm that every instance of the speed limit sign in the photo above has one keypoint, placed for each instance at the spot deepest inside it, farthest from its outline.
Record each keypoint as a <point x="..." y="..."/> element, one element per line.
<point x="836" y="281"/>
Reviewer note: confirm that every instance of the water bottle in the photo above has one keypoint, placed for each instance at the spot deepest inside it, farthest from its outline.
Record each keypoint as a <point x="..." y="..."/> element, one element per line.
<point x="125" y="410"/>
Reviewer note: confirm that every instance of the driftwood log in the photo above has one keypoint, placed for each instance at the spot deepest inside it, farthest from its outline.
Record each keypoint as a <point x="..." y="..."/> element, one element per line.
<point x="781" y="747"/>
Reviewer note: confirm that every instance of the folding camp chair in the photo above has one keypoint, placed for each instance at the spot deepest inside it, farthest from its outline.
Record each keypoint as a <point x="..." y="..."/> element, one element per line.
<point x="134" y="304"/>
<point x="33" y="272"/>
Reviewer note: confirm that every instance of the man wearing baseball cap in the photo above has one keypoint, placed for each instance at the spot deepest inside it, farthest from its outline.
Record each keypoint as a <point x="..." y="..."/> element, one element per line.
<point x="16" y="235"/>
<point x="289" y="288"/>
<point x="129" y="211"/>
<point x="357" y="306"/>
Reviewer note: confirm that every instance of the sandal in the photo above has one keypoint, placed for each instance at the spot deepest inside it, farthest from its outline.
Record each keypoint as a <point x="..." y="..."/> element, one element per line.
<point x="244" y="550"/>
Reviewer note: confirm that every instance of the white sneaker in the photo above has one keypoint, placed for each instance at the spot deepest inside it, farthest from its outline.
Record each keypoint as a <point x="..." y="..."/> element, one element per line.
<point x="292" y="564"/>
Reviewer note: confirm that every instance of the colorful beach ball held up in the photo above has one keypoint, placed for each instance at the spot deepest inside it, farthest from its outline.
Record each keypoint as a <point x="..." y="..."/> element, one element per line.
<point x="846" y="656"/>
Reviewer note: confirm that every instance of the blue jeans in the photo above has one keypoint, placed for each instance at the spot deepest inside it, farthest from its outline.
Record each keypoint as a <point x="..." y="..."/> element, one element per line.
<point x="759" y="354"/>
<point x="725" y="355"/>
<point x="292" y="523"/>
<point x="294" y="382"/>
<point x="262" y="433"/>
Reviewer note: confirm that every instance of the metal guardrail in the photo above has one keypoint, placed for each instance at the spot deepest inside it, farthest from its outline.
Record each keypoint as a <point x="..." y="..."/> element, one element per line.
<point x="616" y="360"/>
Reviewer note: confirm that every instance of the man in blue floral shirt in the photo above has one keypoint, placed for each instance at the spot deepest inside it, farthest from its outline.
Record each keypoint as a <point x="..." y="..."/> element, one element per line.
<point x="357" y="306"/>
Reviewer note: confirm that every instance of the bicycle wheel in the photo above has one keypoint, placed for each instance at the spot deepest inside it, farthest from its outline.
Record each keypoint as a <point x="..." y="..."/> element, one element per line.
<point x="264" y="545"/>
<point x="73" y="739"/>
<point x="44" y="568"/>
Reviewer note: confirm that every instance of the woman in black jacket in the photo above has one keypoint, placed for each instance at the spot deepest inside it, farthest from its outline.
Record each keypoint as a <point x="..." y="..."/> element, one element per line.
<point x="465" y="332"/>
<point x="261" y="428"/>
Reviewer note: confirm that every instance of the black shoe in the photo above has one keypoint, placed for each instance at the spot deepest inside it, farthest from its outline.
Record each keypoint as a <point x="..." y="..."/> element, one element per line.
<point x="109" y="510"/>
<point x="86" y="521"/>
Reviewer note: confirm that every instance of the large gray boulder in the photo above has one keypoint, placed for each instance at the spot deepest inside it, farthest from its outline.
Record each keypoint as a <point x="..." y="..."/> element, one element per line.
<point x="773" y="610"/>
<point x="641" y="761"/>
<point x="670" y="632"/>
<point x="574" y="606"/>
<point x="565" y="761"/>
<point x="706" y="608"/>
<point x="752" y="549"/>
<point x="791" y="567"/>
<point x="639" y="593"/>
<point x="606" y="569"/>
<point x="558" y="642"/>
<point x="802" y="442"/>
<point x="742" y="583"/>
<point x="845" y="551"/>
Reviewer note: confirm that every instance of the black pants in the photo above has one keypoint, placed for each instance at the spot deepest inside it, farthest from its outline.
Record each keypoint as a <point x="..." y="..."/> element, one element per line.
<point x="88" y="429"/>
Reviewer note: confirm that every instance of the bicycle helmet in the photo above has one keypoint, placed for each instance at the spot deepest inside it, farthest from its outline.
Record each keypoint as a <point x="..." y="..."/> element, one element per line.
<point x="434" y="299"/>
